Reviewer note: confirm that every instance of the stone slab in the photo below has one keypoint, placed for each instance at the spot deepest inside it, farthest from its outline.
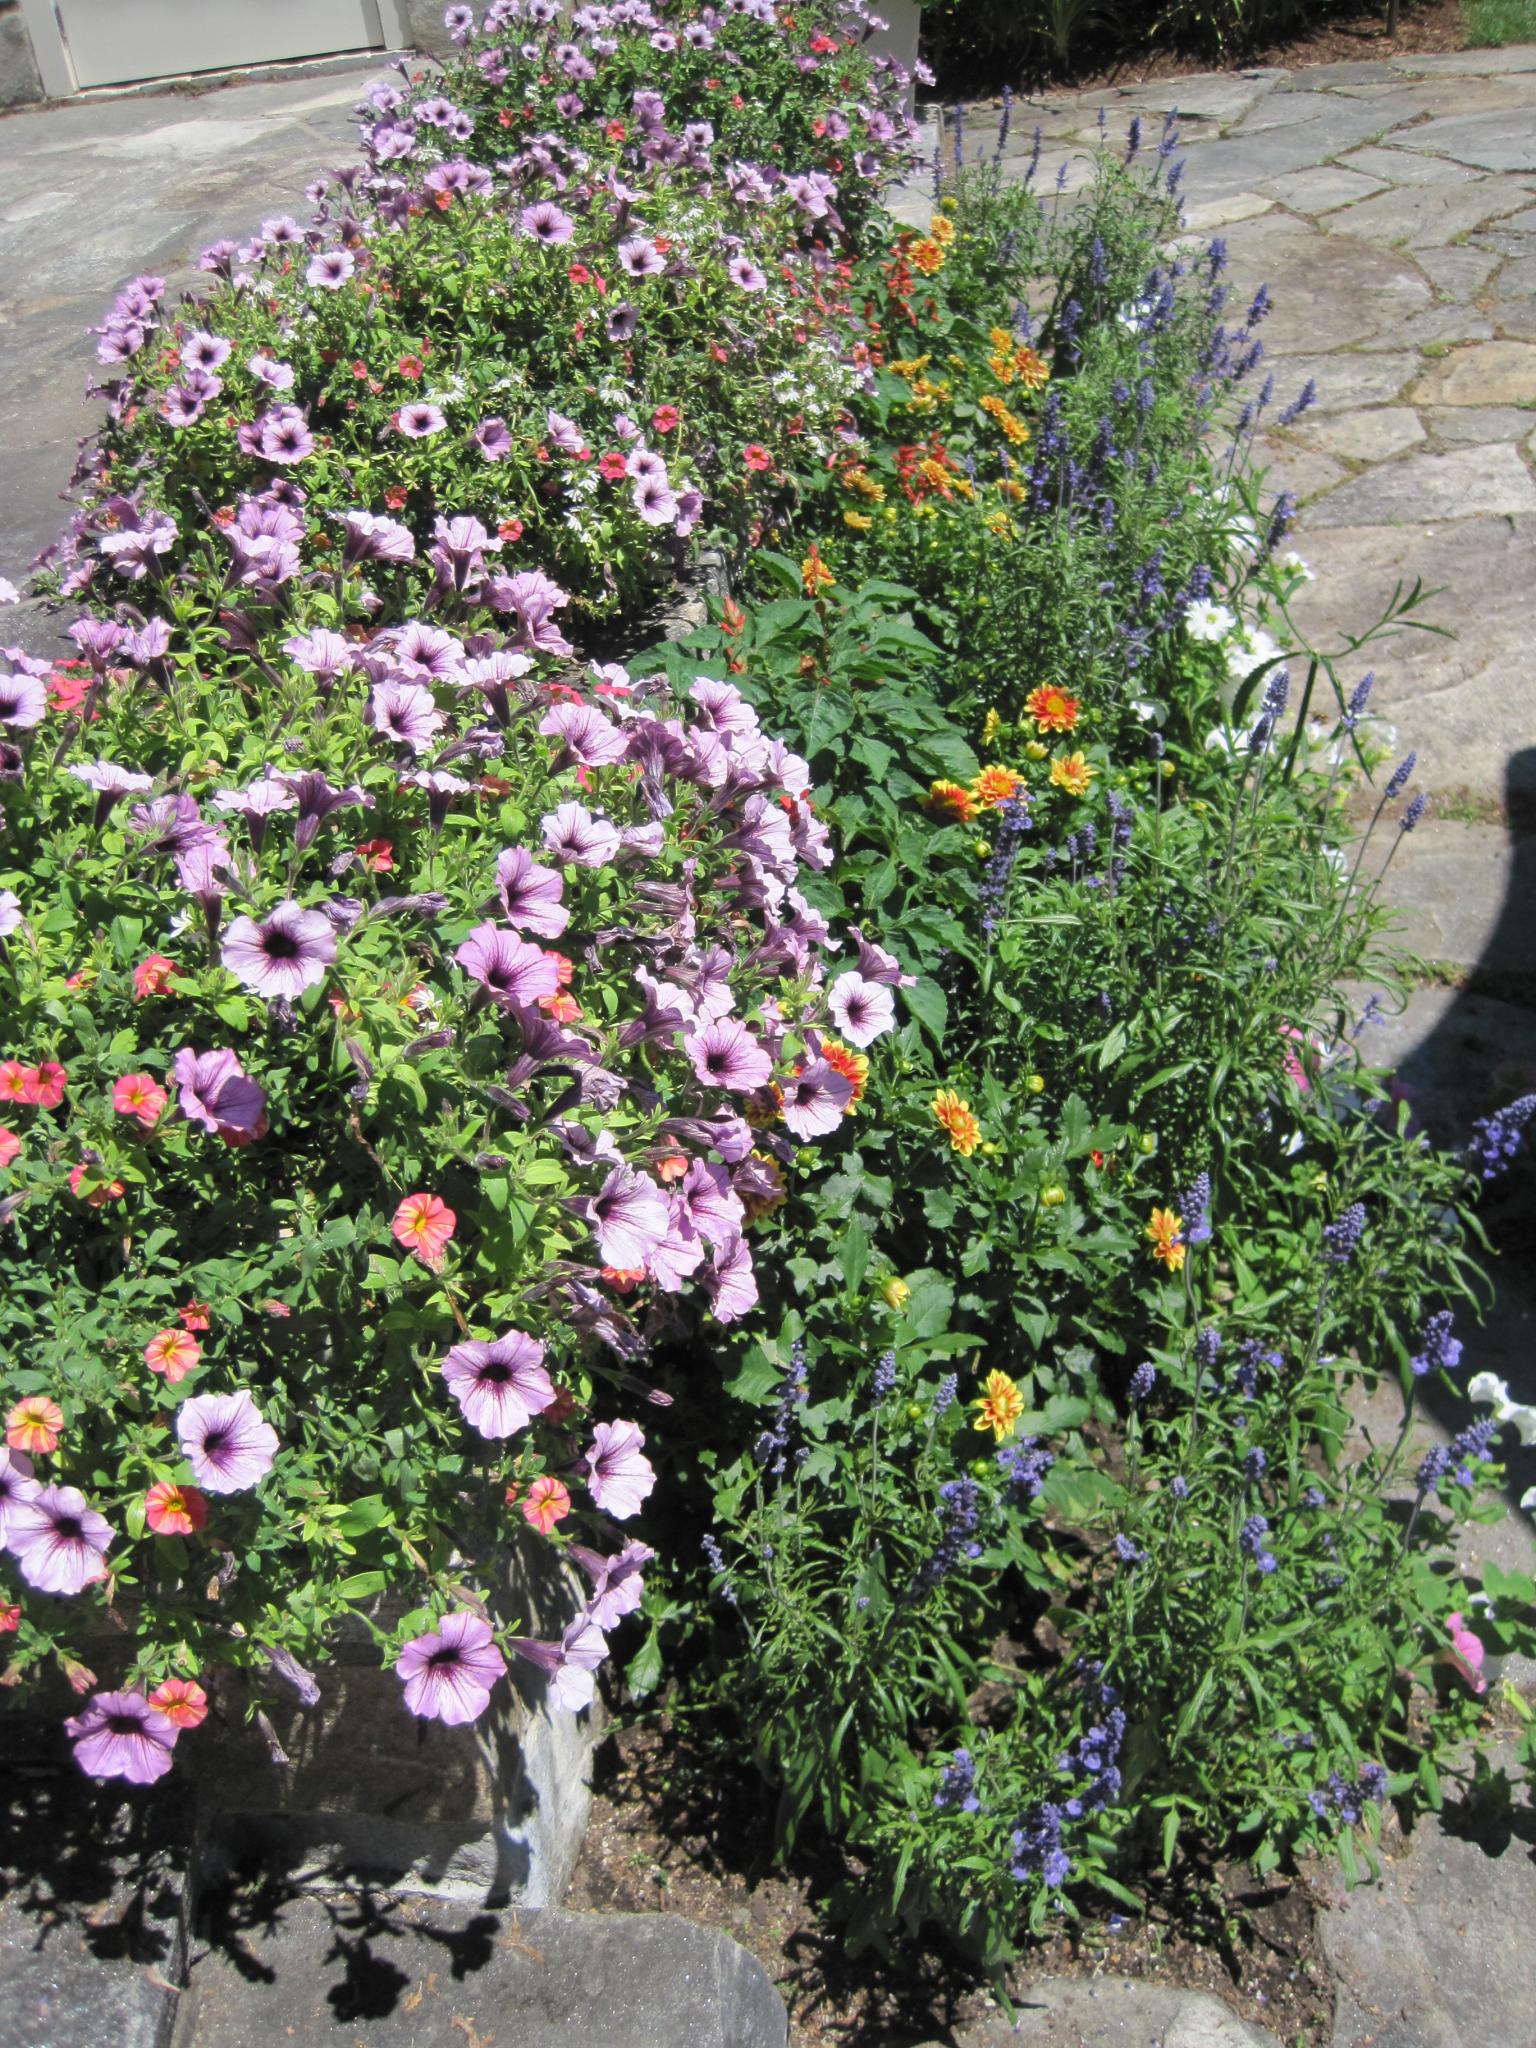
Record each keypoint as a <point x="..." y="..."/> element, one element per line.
<point x="93" y="1888"/>
<point x="1494" y="373"/>
<point x="1242" y="161"/>
<point x="1428" y="216"/>
<point x="1457" y="271"/>
<point x="1345" y="382"/>
<point x="1503" y="140"/>
<point x="1302" y="471"/>
<point x="1328" y="291"/>
<point x="1476" y="423"/>
<point x="1371" y="435"/>
<point x="378" y="1972"/>
<point x="1221" y="213"/>
<point x="1397" y="167"/>
<point x="1323" y="189"/>
<point x="1111" y="2012"/>
<point x="1457" y="483"/>
<point x="1462" y="894"/>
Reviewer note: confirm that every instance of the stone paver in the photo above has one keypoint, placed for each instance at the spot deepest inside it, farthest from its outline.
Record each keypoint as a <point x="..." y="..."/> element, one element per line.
<point x="1111" y="2012"/>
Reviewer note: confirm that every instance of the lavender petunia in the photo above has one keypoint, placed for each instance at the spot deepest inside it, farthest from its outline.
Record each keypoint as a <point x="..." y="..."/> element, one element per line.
<point x="570" y="1663"/>
<point x="500" y="1386"/>
<point x="229" y="1445"/>
<point x="574" y="835"/>
<point x="617" y="1586"/>
<point x="23" y="701"/>
<point x="816" y="1099"/>
<point x="331" y="269"/>
<point x="419" y="420"/>
<point x="586" y="736"/>
<point x="493" y="438"/>
<point x="545" y="222"/>
<point x="726" y="1055"/>
<point x="714" y="1207"/>
<point x="630" y="1217"/>
<point x="864" y="1010"/>
<point x="516" y="974"/>
<point x="731" y="1285"/>
<point x="449" y="1672"/>
<point x="58" y="1540"/>
<point x="530" y="893"/>
<point x="217" y="1092"/>
<point x="618" y="1476"/>
<point x="17" y="1487"/>
<point x="284" y="954"/>
<point x="120" y="1735"/>
<point x="405" y="713"/>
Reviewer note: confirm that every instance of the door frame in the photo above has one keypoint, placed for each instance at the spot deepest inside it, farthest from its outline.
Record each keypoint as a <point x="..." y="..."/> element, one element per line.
<point x="58" y="72"/>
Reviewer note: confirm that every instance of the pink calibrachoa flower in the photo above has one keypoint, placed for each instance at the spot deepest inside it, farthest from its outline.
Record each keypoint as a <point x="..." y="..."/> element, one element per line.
<point x="500" y="1386"/>
<point x="10" y="1617"/>
<point x="152" y="976"/>
<point x="10" y="1145"/>
<point x="726" y="1055"/>
<point x="34" y="1424"/>
<point x="15" y="1081"/>
<point x="46" y="1085"/>
<point x="93" y="1187"/>
<point x="120" y="1735"/>
<point x="58" y="1540"/>
<point x="424" y="1225"/>
<point x="219" y="1094"/>
<point x="548" y="1502"/>
<point x="173" y="1352"/>
<point x="570" y="1663"/>
<point x="617" y="1586"/>
<point x="448" y="1673"/>
<point x="285" y="953"/>
<point x="17" y="1486"/>
<point x="175" y="1510"/>
<point x="618" y="1476"/>
<point x="1466" y="1653"/>
<point x="141" y="1096"/>
<point x="228" y="1445"/>
<point x="515" y="973"/>
<point x="864" y="1010"/>
<point x="182" y="1701"/>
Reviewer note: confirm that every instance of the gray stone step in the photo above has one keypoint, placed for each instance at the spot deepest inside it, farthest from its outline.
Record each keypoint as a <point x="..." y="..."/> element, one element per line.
<point x="1110" y="2012"/>
<point x="361" y="1972"/>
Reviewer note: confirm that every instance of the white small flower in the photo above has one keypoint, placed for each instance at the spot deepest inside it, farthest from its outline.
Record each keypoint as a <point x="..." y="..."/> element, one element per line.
<point x="1297" y="567"/>
<point x="1250" y="649"/>
<point x="1144" y="710"/>
<point x="1522" y="1418"/>
<point x="10" y="912"/>
<point x="1528" y="1498"/>
<point x="1208" y="621"/>
<point x="1293" y="1144"/>
<point x="8" y="592"/>
<point x="1487" y="1386"/>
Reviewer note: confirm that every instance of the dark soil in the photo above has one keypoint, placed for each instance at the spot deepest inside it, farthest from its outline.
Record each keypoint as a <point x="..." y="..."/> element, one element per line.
<point x="1353" y="36"/>
<point x="672" y="1832"/>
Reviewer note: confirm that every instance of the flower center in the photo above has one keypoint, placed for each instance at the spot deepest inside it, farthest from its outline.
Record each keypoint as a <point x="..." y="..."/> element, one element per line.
<point x="280" y="945"/>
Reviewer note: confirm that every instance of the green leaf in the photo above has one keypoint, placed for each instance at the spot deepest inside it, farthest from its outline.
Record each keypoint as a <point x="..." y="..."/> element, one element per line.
<point x="853" y="1257"/>
<point x="930" y="1006"/>
<point x="363" y="1586"/>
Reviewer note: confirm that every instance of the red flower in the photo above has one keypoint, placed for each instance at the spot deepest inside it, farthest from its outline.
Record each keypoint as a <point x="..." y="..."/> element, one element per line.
<point x="10" y="1145"/>
<point x="755" y="456"/>
<point x="510" y="529"/>
<point x="181" y="1700"/>
<point x="173" y="1352"/>
<point x="173" y="1510"/>
<point x="46" y="1084"/>
<point x="395" y="497"/>
<point x="377" y="856"/>
<point x="152" y="977"/>
<point x="194" y="1316"/>
<point x="665" y="418"/>
<point x="579" y="274"/>
<point x="410" y="366"/>
<point x="611" y="466"/>
<point x="141" y="1096"/>
<point x="424" y="1224"/>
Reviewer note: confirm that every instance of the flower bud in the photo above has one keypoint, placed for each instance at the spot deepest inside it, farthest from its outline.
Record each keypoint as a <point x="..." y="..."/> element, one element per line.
<point x="896" y="1292"/>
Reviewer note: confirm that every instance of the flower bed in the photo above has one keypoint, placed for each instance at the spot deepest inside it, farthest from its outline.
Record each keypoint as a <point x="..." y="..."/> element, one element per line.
<point x="437" y="1069"/>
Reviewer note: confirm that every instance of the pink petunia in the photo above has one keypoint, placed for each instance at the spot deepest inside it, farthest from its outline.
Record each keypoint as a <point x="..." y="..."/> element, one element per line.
<point x="731" y="1285"/>
<point x="530" y="893"/>
<point x="448" y="1673"/>
<point x="617" y="1586"/>
<point x="630" y="1216"/>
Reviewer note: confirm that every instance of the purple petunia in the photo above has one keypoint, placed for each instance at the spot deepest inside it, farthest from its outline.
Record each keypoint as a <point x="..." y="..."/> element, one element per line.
<point x="731" y="1285"/>
<point x="546" y="223"/>
<point x="58" y="1540"/>
<point x="618" y="1476"/>
<point x="217" y="1093"/>
<point x="331" y="269"/>
<point x="745" y="274"/>
<point x="17" y="1486"/>
<point x="500" y="1386"/>
<point x="120" y="1735"/>
<point x="616" y="1582"/>
<point x="229" y="1445"/>
<point x="726" y="1055"/>
<point x="587" y="737"/>
<point x="570" y="1663"/>
<point x="530" y="894"/>
<point x="286" y="953"/>
<point x="23" y="701"/>
<point x="405" y="713"/>
<point x="640" y="257"/>
<point x="449" y="1672"/>
<point x="419" y="420"/>
<point x="493" y="438"/>
<point x="516" y="974"/>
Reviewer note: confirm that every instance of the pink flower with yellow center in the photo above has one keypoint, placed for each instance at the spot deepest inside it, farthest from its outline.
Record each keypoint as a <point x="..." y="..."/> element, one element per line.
<point x="548" y="1502"/>
<point x="10" y="1145"/>
<point x="141" y="1096"/>
<point x="152" y="977"/>
<point x="173" y="1510"/>
<point x="173" y="1352"/>
<point x="424" y="1224"/>
<point x="182" y="1701"/>
<point x="33" y="1425"/>
<point x="46" y="1084"/>
<point x="15" y="1081"/>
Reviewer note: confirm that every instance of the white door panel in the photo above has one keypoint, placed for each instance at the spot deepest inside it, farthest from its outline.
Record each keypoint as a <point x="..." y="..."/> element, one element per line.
<point x="111" y="42"/>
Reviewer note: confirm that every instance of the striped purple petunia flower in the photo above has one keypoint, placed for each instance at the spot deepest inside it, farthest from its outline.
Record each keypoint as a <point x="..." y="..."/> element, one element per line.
<point x="515" y="973"/>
